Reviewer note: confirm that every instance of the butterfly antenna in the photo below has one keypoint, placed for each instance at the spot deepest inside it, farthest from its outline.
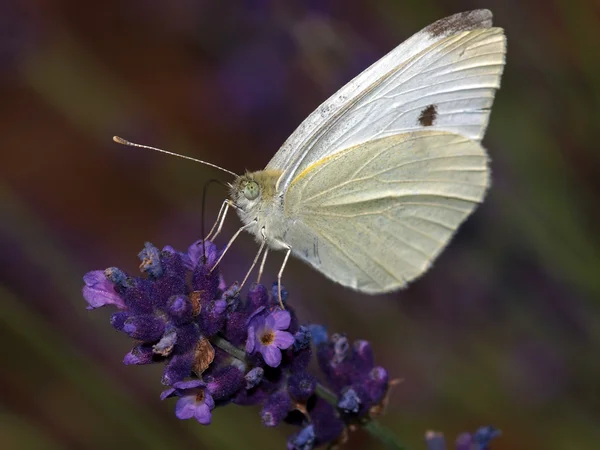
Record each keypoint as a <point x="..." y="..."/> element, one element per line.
<point x="122" y="141"/>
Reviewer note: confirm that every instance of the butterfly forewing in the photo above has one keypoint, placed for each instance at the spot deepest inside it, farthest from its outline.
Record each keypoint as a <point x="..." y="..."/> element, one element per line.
<point x="443" y="78"/>
<point x="374" y="216"/>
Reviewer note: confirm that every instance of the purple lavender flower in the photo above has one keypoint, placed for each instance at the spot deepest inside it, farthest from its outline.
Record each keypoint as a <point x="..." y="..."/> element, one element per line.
<point x="267" y="336"/>
<point x="194" y="400"/>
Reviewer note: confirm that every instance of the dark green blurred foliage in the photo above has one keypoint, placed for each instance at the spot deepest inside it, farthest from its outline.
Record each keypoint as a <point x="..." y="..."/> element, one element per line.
<point x="503" y="330"/>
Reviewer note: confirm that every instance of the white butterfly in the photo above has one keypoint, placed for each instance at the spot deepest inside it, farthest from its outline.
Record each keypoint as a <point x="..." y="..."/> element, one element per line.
<point x="373" y="184"/>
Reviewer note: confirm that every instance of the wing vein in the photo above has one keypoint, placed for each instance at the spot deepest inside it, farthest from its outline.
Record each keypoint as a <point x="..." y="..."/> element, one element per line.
<point x="402" y="241"/>
<point x="318" y="194"/>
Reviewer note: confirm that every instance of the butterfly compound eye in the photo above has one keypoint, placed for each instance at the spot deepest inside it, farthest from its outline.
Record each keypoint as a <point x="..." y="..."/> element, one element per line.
<point x="251" y="190"/>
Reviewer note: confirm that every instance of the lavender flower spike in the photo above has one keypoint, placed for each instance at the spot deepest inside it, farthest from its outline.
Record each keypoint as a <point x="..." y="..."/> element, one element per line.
<point x="266" y="335"/>
<point x="182" y="315"/>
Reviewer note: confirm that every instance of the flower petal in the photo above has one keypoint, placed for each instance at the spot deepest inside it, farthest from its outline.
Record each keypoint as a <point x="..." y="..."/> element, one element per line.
<point x="186" y="407"/>
<point x="280" y="320"/>
<point x="167" y="393"/>
<point x="251" y="340"/>
<point x="208" y="400"/>
<point x="190" y="384"/>
<point x="203" y="414"/>
<point x="94" y="278"/>
<point x="271" y="355"/>
<point x="140" y="354"/>
<point x="254" y="316"/>
<point x="283" y="339"/>
<point x="194" y="254"/>
<point x="99" y="291"/>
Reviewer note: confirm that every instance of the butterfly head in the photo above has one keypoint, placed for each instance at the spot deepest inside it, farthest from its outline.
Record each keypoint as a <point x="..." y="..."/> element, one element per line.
<point x="253" y="190"/>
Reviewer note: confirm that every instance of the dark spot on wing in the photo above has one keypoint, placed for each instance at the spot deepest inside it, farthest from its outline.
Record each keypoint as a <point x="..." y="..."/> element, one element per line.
<point x="428" y="116"/>
<point x="465" y="21"/>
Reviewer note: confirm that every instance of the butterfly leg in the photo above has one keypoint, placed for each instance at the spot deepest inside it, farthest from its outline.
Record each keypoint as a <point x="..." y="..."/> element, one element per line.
<point x="233" y="238"/>
<point x="287" y="255"/>
<point x="220" y="219"/>
<point x="262" y="265"/>
<point x="262" y="246"/>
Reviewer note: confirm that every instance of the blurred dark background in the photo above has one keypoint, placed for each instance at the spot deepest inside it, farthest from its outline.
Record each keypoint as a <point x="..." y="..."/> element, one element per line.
<point x="505" y="328"/>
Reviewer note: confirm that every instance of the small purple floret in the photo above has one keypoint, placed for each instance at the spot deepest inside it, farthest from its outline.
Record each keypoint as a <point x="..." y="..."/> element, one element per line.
<point x="150" y="257"/>
<point x="275" y="293"/>
<point x="254" y="377"/>
<point x="146" y="328"/>
<point x="463" y="441"/>
<point x="484" y="435"/>
<point x="178" y="368"/>
<point x="303" y="440"/>
<point x="435" y="441"/>
<point x="257" y="297"/>
<point x="99" y="291"/>
<point x="141" y="354"/>
<point x="349" y="402"/>
<point x="301" y="386"/>
<point x="302" y="338"/>
<point x="164" y="347"/>
<point x="224" y="383"/>
<point x="275" y="409"/>
<point x="194" y="401"/>
<point x="117" y="320"/>
<point x="267" y="336"/>
<point x="328" y="426"/>
<point x="318" y="334"/>
<point x="179" y="308"/>
<point x="195" y="255"/>
<point x="341" y="348"/>
<point x="212" y="317"/>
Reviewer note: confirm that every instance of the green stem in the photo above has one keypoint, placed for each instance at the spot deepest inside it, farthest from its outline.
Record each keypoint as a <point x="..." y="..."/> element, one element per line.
<point x="326" y="394"/>
<point x="373" y="427"/>
<point x="389" y="439"/>
<point x="228" y="347"/>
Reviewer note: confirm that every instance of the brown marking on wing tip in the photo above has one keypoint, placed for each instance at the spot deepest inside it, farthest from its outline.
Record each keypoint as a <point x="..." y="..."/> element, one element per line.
<point x="428" y="116"/>
<point x="464" y="21"/>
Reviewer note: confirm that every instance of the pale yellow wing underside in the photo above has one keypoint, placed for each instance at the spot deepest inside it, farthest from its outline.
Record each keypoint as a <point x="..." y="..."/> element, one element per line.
<point x="374" y="217"/>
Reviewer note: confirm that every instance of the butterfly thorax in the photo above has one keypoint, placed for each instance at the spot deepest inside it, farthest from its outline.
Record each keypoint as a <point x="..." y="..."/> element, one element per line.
<point x="257" y="201"/>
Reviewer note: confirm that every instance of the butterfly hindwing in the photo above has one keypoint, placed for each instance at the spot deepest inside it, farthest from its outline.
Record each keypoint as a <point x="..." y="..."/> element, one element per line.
<point x="373" y="217"/>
